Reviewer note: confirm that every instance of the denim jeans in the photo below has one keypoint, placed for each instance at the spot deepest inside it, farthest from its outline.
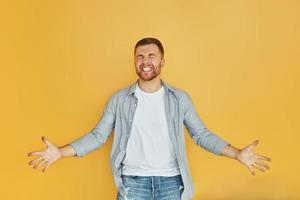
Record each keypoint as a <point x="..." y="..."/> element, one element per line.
<point x="152" y="188"/>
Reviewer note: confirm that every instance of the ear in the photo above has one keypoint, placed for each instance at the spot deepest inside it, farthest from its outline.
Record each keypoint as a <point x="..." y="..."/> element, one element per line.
<point x="163" y="62"/>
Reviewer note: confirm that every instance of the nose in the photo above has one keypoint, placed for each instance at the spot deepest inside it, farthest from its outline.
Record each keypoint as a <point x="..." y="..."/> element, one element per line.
<point x="145" y="60"/>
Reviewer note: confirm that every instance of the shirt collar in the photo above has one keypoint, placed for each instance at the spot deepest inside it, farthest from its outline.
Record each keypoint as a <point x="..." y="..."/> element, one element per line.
<point x="166" y="86"/>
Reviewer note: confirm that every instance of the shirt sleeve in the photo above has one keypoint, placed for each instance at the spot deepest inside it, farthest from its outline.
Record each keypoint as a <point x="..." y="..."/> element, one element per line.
<point x="98" y="135"/>
<point x="198" y="131"/>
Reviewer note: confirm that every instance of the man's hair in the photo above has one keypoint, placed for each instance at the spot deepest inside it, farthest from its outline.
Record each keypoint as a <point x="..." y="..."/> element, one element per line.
<point x="149" y="40"/>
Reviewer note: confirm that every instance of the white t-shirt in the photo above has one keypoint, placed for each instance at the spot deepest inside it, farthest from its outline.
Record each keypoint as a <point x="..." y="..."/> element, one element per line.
<point x="149" y="150"/>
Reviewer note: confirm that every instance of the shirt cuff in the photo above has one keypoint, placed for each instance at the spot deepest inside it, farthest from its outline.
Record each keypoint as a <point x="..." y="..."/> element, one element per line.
<point x="219" y="147"/>
<point x="80" y="151"/>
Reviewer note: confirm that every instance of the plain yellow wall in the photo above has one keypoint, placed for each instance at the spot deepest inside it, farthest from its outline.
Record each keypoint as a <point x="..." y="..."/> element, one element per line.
<point x="61" y="60"/>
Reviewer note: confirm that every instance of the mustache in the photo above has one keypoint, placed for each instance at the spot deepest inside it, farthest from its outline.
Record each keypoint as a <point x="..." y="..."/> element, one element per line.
<point x="143" y="65"/>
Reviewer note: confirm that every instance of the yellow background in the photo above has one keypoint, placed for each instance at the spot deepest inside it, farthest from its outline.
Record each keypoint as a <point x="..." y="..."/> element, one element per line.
<point x="61" y="60"/>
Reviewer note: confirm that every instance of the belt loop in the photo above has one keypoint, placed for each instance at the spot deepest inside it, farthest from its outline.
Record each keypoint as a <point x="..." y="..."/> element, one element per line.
<point x="152" y="187"/>
<point x="122" y="190"/>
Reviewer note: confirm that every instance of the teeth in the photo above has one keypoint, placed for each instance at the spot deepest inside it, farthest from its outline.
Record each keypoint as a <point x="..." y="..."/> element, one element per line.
<point x="147" y="69"/>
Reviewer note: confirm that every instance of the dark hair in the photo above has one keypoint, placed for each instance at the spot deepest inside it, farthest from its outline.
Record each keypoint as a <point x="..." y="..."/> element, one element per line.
<point x="149" y="40"/>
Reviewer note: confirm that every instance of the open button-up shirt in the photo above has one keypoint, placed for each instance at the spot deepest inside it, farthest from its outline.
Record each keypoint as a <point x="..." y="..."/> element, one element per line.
<point x="118" y="115"/>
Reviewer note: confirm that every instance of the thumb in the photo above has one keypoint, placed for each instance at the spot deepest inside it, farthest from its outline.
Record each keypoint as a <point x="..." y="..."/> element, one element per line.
<point x="44" y="139"/>
<point x="253" y="144"/>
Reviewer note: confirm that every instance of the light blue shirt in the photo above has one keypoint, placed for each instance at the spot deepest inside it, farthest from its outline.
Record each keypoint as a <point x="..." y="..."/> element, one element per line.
<point x="118" y="115"/>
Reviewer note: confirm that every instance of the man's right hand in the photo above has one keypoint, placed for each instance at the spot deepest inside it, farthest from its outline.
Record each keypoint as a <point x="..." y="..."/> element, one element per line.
<point x="46" y="157"/>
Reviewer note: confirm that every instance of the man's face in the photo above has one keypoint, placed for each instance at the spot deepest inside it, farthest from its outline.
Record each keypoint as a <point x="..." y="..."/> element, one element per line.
<point x="148" y="61"/>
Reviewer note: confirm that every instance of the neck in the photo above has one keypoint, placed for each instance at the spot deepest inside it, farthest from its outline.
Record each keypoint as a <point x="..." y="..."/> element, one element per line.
<point x="150" y="86"/>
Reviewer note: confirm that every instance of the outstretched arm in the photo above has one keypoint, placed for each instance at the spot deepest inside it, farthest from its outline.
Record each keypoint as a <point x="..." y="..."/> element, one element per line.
<point x="215" y="144"/>
<point x="81" y="146"/>
<point x="202" y="136"/>
<point x="247" y="157"/>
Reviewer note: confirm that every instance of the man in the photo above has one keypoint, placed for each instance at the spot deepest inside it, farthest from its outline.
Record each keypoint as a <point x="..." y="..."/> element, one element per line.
<point x="148" y="155"/>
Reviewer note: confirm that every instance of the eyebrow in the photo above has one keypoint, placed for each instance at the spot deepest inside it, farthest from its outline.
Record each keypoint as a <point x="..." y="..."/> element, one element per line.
<point x="141" y="55"/>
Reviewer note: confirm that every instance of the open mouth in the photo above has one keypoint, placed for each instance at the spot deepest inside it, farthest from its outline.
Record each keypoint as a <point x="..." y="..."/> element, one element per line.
<point x="147" y="69"/>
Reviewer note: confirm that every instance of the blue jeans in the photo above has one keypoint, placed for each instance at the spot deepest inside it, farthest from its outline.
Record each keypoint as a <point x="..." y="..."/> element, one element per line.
<point x="152" y="188"/>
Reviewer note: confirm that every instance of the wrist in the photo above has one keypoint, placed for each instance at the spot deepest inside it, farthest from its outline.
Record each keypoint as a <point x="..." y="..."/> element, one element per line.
<point x="237" y="152"/>
<point x="67" y="151"/>
<point x="62" y="151"/>
<point x="231" y="152"/>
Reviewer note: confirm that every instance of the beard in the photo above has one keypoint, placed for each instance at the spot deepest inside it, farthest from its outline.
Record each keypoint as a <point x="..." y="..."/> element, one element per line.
<point x="148" y="76"/>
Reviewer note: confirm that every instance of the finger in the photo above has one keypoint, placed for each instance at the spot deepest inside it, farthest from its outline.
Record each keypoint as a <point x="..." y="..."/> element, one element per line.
<point x="45" y="140"/>
<point x="264" y="158"/>
<point x="262" y="164"/>
<point x="254" y="144"/>
<point x="46" y="167"/>
<point x="259" y="167"/>
<point x="252" y="171"/>
<point x="39" y="153"/>
<point x="40" y="164"/>
<point x="36" y="160"/>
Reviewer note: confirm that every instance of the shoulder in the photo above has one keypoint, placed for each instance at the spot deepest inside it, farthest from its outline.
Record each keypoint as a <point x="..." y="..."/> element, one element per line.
<point x="180" y="93"/>
<point x="120" y="94"/>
